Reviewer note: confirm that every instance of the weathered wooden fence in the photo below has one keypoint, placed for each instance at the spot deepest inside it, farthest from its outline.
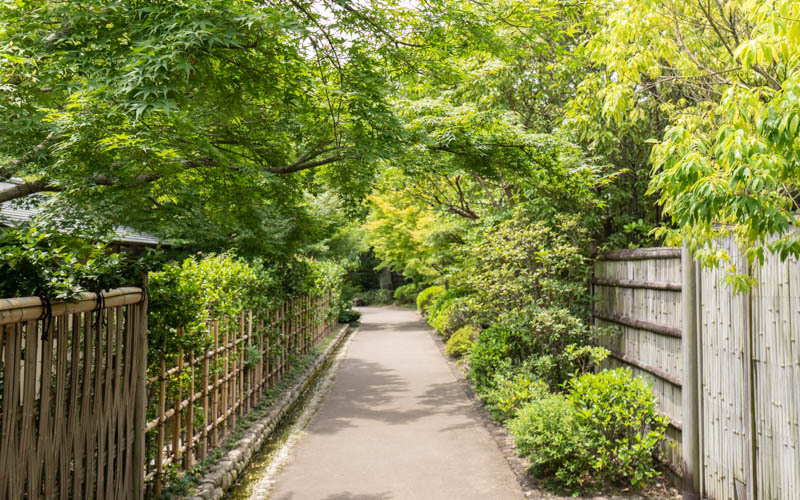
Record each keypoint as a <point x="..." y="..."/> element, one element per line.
<point x="73" y="378"/>
<point x="198" y="398"/>
<point x="745" y="353"/>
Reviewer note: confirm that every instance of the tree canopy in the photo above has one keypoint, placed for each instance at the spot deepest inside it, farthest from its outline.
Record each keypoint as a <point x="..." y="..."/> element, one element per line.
<point x="219" y="123"/>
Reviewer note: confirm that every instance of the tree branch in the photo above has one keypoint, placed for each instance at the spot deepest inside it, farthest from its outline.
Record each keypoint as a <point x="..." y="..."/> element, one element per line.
<point x="300" y="165"/>
<point x="26" y="189"/>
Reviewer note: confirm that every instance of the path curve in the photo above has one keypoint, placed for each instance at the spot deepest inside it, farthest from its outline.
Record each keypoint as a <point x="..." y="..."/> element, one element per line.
<point x="395" y="424"/>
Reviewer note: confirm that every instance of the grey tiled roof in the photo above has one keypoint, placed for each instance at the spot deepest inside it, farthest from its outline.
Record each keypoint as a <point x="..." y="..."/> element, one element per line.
<point x="12" y="213"/>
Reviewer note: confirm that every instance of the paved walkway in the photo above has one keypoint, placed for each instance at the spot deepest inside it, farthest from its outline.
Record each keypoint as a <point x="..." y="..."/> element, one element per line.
<point x="395" y="425"/>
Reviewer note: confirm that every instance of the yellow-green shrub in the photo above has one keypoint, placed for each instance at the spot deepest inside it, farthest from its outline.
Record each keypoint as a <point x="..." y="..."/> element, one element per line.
<point x="603" y="432"/>
<point x="458" y="343"/>
<point x="427" y="297"/>
<point x="510" y="392"/>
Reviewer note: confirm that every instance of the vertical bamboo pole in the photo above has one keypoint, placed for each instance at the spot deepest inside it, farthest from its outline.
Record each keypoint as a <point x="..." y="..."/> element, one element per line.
<point x="215" y="387"/>
<point x="284" y="332"/>
<point x="303" y="325"/>
<point x="141" y="401"/>
<point x="202" y="452"/>
<point x="267" y="343"/>
<point x="226" y="378"/>
<point x="689" y="388"/>
<point x="76" y="407"/>
<point x="28" y="435"/>
<point x="243" y="402"/>
<point x="12" y="358"/>
<point x="176" y="419"/>
<point x="750" y="450"/>
<point x="292" y="331"/>
<point x="162" y="394"/>
<point x="188" y="456"/>
<point x="255" y="369"/>
<point x="308" y="332"/>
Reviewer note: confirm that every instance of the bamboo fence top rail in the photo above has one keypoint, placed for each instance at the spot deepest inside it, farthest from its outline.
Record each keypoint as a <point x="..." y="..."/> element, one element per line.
<point x="16" y="310"/>
<point x="641" y="254"/>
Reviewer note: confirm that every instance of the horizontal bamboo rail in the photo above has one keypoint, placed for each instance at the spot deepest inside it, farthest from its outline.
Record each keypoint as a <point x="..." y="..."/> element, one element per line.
<point x="641" y="254"/>
<point x="650" y="285"/>
<point x="647" y="368"/>
<point x="17" y="310"/>
<point x="623" y="320"/>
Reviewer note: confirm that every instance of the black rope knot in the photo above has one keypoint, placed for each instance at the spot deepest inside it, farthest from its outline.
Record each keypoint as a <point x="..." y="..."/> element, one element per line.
<point x="98" y="308"/>
<point x="47" y="313"/>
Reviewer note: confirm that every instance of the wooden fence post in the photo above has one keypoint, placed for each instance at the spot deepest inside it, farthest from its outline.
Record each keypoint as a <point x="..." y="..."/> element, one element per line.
<point x="690" y="385"/>
<point x="139" y="418"/>
<point x="203" y="448"/>
<point x="188" y="456"/>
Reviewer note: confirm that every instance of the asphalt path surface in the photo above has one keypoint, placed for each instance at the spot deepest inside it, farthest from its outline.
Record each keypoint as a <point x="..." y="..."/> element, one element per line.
<point x="395" y="424"/>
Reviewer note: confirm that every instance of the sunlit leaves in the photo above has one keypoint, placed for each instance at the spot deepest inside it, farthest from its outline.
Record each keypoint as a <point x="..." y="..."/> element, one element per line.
<point x="725" y="78"/>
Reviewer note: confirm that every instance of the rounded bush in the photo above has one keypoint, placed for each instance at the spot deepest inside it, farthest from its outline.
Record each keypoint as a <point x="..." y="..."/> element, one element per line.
<point x="603" y="432"/>
<point x="406" y="294"/>
<point x="427" y="297"/>
<point x="450" y="314"/>
<point x="550" y="433"/>
<point x="510" y="392"/>
<point x="458" y="343"/>
<point x="349" y="315"/>
<point x="622" y="425"/>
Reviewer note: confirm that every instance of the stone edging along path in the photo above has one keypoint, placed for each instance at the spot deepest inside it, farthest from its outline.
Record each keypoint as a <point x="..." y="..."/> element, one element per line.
<point x="221" y="475"/>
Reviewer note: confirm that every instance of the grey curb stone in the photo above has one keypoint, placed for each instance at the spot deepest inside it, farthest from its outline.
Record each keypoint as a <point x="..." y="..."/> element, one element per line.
<point x="224" y="473"/>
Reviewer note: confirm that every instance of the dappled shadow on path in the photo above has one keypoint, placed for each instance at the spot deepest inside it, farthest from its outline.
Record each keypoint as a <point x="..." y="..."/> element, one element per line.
<point x="346" y="495"/>
<point x="369" y="391"/>
<point x="415" y="326"/>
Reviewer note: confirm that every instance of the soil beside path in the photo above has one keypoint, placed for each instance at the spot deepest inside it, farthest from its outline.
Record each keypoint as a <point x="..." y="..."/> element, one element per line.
<point x="395" y="424"/>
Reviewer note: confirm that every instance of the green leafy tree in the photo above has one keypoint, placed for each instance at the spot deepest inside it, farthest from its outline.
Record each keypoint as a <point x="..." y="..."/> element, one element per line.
<point x="162" y="113"/>
<point x="724" y="76"/>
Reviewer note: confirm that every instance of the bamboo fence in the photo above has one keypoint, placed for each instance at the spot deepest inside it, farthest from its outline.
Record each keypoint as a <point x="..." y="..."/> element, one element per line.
<point x="198" y="397"/>
<point x="75" y="395"/>
<point x="639" y="291"/>
<point x="72" y="376"/>
<point x="748" y="363"/>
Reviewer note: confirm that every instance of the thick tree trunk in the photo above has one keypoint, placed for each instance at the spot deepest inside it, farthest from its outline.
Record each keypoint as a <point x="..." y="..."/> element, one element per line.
<point x="385" y="279"/>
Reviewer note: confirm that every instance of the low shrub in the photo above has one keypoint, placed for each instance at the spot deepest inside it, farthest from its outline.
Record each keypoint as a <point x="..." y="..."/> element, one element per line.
<point x="512" y="391"/>
<point x="488" y="355"/>
<point x="349" y="315"/>
<point x="378" y="297"/>
<point x="622" y="425"/>
<point x="451" y="315"/>
<point x="458" y="343"/>
<point x="406" y="294"/>
<point x="427" y="297"/>
<point x="550" y="343"/>
<point x="603" y="432"/>
<point x="549" y="432"/>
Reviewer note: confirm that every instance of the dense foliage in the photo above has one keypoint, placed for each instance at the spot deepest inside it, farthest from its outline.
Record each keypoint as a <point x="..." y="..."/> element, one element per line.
<point x="183" y="295"/>
<point x="720" y="81"/>
<point x="56" y="266"/>
<point x="458" y="343"/>
<point x="604" y="431"/>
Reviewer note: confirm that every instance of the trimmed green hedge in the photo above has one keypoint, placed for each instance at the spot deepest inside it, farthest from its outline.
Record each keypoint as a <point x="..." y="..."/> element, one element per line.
<point x="458" y="343"/>
<point x="427" y="297"/>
